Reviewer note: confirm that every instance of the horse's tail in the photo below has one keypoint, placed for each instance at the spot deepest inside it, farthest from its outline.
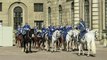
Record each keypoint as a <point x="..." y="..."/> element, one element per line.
<point x="93" y="46"/>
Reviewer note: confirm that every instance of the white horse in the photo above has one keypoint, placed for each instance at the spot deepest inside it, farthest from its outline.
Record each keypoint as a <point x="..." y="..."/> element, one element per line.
<point x="89" y="39"/>
<point x="56" y="35"/>
<point x="69" y="39"/>
<point x="75" y="39"/>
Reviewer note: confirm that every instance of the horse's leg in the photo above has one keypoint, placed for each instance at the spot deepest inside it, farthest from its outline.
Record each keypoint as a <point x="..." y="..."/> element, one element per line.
<point x="35" y="42"/>
<point x="56" y="45"/>
<point x="19" y="43"/>
<point x="82" y="48"/>
<point x="43" y="43"/>
<point x="24" y="46"/>
<point x="53" y="46"/>
<point x="88" y="46"/>
<point x="79" y="48"/>
<point x="67" y="47"/>
<point x="47" y="45"/>
<point x="93" y="48"/>
<point x="73" y="45"/>
<point x="29" y="46"/>
<point x="62" y="44"/>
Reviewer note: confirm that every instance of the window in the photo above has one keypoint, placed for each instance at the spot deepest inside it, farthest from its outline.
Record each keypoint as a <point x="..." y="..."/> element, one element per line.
<point x="38" y="7"/>
<point x="0" y="6"/>
<point x="49" y="15"/>
<point x="18" y="19"/>
<point x="60" y="14"/>
<point x="39" y="24"/>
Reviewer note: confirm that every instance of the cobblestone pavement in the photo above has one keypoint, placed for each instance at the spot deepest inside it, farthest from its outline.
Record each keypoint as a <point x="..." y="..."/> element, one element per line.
<point x="14" y="53"/>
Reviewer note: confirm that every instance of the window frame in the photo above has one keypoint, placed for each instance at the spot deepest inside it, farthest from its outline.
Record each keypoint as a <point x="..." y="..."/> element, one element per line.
<point x="38" y="7"/>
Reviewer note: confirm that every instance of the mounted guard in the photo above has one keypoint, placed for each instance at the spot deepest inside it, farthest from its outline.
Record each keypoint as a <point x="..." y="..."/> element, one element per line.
<point x="82" y="28"/>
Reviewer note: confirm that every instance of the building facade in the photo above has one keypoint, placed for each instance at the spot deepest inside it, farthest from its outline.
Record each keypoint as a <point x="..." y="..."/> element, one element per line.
<point x="54" y="12"/>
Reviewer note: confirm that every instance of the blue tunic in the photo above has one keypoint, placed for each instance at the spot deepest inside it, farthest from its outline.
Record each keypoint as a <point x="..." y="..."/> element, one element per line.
<point x="20" y="30"/>
<point x="68" y="28"/>
<point x="27" y="27"/>
<point x="44" y="31"/>
<point x="82" y="28"/>
<point x="51" y="29"/>
<point x="35" y="29"/>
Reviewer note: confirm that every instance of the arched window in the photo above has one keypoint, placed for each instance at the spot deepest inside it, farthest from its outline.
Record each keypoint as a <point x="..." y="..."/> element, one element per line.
<point x="60" y="14"/>
<point x="86" y="12"/>
<point x="49" y="15"/>
<point x="105" y="14"/>
<point x="72" y="13"/>
<point x="17" y="17"/>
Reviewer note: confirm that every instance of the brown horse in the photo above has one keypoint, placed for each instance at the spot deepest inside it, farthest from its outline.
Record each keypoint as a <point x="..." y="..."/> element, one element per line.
<point x="19" y="40"/>
<point x="37" y="40"/>
<point x="61" y="43"/>
<point x="27" y="42"/>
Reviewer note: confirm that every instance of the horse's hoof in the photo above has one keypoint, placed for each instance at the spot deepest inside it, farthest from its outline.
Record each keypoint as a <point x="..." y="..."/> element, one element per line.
<point x="30" y="51"/>
<point x="48" y="50"/>
<point x="88" y="55"/>
<point x="78" y="54"/>
<point x="93" y="55"/>
<point x="73" y="50"/>
<point x="26" y="52"/>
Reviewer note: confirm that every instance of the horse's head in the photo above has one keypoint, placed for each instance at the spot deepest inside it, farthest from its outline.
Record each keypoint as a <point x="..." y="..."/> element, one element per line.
<point x="87" y="29"/>
<point x="58" y="33"/>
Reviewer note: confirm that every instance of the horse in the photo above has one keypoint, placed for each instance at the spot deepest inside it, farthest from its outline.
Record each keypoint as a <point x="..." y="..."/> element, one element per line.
<point x="61" y="42"/>
<point x="89" y="40"/>
<point x="27" y="41"/>
<point x="75" y="39"/>
<point x="47" y="42"/>
<point x="19" y="39"/>
<point x="39" y="40"/>
<point x="55" y="36"/>
<point x="69" y="38"/>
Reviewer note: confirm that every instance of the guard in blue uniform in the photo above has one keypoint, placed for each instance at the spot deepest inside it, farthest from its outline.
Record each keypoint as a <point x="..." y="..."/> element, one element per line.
<point x="19" y="30"/>
<point x="64" y="32"/>
<point x="82" y="28"/>
<point x="51" y="29"/>
<point x="26" y="27"/>
<point x="68" y="28"/>
<point x="35" y="30"/>
<point x="44" y="31"/>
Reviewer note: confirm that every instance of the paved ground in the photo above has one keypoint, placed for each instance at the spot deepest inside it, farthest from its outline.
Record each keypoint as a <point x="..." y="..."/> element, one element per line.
<point x="14" y="53"/>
